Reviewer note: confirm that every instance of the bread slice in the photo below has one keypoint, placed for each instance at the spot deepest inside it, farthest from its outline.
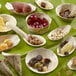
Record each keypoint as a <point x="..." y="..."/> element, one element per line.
<point x="4" y="69"/>
<point x="15" y="61"/>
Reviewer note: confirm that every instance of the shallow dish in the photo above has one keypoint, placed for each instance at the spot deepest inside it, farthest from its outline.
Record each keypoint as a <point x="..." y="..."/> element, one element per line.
<point x="45" y="53"/>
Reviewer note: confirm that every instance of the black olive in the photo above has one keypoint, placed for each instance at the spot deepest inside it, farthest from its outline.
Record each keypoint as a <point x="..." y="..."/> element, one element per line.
<point x="32" y="62"/>
<point x="39" y="57"/>
<point x="43" y="4"/>
<point x="66" y="53"/>
<point x="63" y="43"/>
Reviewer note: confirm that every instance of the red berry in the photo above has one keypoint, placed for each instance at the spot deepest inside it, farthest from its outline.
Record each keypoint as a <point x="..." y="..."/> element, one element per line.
<point x="33" y="17"/>
<point x="45" y="24"/>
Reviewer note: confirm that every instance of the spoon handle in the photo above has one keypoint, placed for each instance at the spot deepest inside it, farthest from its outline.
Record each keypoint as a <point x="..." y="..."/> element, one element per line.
<point x="19" y="31"/>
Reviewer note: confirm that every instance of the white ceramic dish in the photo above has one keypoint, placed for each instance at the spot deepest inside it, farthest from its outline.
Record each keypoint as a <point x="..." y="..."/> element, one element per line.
<point x="70" y="63"/>
<point x="10" y="7"/>
<point x="48" y="4"/>
<point x="8" y="19"/>
<point x="62" y="31"/>
<point x="69" y="39"/>
<point x="64" y="6"/>
<point x="45" y="53"/>
<point x="14" y="39"/>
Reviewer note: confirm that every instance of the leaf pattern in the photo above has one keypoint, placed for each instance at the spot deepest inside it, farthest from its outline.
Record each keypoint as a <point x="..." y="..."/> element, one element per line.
<point x="23" y="48"/>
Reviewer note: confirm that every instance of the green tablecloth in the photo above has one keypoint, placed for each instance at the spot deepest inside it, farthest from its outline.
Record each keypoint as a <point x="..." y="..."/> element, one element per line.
<point x="22" y="48"/>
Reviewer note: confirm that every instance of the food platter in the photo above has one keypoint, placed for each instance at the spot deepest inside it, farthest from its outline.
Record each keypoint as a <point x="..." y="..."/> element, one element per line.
<point x="23" y="48"/>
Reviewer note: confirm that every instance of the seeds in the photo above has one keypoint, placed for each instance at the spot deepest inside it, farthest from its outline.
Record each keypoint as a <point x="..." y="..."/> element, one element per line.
<point x="34" y="40"/>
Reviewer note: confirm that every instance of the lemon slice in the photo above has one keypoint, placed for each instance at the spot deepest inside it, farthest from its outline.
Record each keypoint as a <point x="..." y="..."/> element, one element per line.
<point x="67" y="48"/>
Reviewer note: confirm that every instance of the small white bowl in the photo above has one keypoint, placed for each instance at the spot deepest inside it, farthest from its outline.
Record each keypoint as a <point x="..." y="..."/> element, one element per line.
<point x="39" y="30"/>
<point x="62" y="7"/>
<point x="45" y="53"/>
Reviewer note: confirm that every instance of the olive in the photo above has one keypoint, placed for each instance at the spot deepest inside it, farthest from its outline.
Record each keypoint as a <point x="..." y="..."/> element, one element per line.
<point x="47" y="61"/>
<point x="66" y="53"/>
<point x="32" y="62"/>
<point x="63" y="43"/>
<point x="43" y="4"/>
<point x="39" y="57"/>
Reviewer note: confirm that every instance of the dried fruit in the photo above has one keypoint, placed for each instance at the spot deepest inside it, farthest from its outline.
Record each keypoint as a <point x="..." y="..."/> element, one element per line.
<point x="39" y="63"/>
<point x="39" y="57"/>
<point x="37" y="22"/>
<point x="43" y="4"/>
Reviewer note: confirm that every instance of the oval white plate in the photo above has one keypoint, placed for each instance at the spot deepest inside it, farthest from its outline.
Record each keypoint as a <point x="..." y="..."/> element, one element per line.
<point x="45" y="53"/>
<point x="14" y="38"/>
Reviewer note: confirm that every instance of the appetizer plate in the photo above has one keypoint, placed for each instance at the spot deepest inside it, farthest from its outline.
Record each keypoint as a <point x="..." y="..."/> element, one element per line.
<point x="14" y="39"/>
<point x="59" y="33"/>
<point x="39" y="30"/>
<point x="45" y="53"/>
<point x="64" y="7"/>
<point x="70" y="40"/>
<point x="46" y="4"/>
<point x="9" y="6"/>
<point x="69" y="64"/>
<point x="8" y="19"/>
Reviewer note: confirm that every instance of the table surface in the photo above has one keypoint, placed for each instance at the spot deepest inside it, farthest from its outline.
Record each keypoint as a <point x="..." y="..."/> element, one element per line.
<point x="22" y="48"/>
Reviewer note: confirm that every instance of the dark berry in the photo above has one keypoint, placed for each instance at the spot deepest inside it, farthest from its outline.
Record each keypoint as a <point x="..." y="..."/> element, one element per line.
<point x="63" y="43"/>
<point x="40" y="69"/>
<point x="43" y="4"/>
<point x="26" y="9"/>
<point x="66" y="53"/>
<point x="39" y="57"/>
<point x="47" y="61"/>
<point x="32" y="62"/>
<point x="45" y="24"/>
